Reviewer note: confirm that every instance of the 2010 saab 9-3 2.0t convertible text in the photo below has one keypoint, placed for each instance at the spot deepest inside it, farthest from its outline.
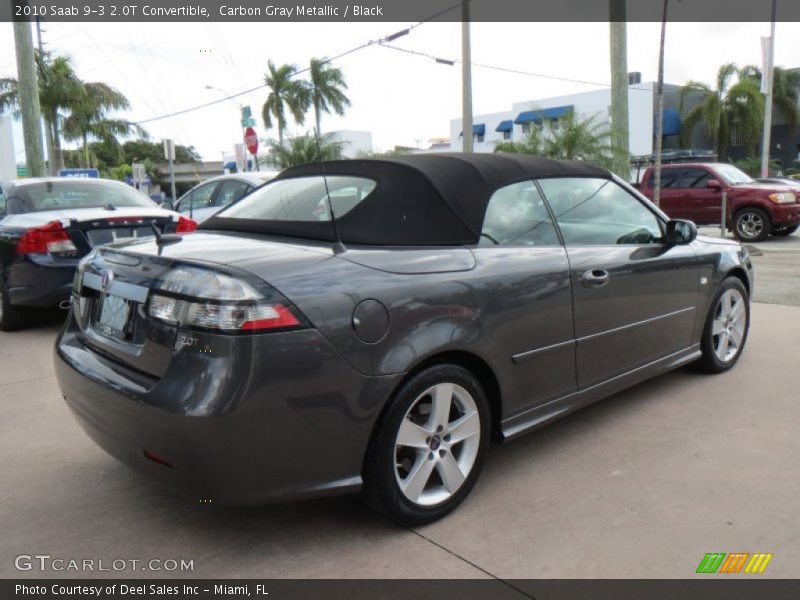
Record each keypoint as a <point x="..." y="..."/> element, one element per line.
<point x="281" y="353"/>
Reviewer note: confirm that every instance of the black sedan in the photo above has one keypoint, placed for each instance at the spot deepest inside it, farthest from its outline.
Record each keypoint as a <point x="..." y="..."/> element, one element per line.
<point x="48" y="224"/>
<point x="372" y="323"/>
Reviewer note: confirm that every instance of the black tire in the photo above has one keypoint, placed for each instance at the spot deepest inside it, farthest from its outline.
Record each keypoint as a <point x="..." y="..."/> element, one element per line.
<point x="385" y="458"/>
<point x="785" y="230"/>
<point x="11" y="317"/>
<point x="711" y="362"/>
<point x="751" y="224"/>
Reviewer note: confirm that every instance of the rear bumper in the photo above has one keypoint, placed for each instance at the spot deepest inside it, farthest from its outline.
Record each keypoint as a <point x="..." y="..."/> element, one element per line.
<point x="40" y="282"/>
<point x="286" y="419"/>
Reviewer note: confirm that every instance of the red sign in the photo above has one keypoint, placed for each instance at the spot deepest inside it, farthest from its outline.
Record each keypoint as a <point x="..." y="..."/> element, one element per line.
<point x="251" y="140"/>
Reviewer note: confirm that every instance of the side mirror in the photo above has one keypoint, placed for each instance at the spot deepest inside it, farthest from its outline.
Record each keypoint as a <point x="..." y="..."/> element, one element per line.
<point x="167" y="205"/>
<point x="713" y="184"/>
<point x="681" y="232"/>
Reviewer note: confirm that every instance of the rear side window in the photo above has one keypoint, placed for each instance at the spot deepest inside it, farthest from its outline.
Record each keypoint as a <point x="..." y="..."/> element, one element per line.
<point x="516" y="214"/>
<point x="231" y="191"/>
<point x="599" y="212"/>
<point x="681" y="178"/>
<point x="302" y="199"/>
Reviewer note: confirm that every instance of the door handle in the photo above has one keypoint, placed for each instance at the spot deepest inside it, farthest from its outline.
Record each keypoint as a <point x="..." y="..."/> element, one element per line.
<point x="595" y="278"/>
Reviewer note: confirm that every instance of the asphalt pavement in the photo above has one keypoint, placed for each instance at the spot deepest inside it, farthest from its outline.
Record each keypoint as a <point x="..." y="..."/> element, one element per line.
<point x="642" y="484"/>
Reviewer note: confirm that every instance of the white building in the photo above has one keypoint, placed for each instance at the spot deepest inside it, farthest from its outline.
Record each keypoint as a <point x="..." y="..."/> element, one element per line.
<point x="489" y="129"/>
<point x="8" y="165"/>
<point x="354" y="143"/>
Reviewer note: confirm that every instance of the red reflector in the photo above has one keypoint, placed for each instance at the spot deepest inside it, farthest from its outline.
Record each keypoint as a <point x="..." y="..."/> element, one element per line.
<point x="157" y="459"/>
<point x="36" y="239"/>
<point x="185" y="225"/>
<point x="284" y="319"/>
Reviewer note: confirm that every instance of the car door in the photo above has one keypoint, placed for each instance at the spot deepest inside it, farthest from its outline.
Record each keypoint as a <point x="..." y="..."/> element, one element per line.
<point x="523" y="269"/>
<point x="198" y="203"/>
<point x="670" y="197"/>
<point x="701" y="204"/>
<point x="634" y="297"/>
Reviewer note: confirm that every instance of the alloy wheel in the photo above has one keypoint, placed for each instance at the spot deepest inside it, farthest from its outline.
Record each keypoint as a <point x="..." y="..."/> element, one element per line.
<point x="750" y="225"/>
<point x="728" y="328"/>
<point x="437" y="444"/>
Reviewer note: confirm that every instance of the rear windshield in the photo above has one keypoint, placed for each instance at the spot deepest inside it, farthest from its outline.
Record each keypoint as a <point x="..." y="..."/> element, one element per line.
<point x="57" y="195"/>
<point x="302" y="199"/>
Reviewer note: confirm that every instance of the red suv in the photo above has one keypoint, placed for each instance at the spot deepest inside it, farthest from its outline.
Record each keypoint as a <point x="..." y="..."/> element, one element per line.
<point x="755" y="210"/>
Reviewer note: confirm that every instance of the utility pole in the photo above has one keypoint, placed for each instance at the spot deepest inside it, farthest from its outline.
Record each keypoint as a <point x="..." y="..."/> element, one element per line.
<point x="768" y="102"/>
<point x="619" y="86"/>
<point x="48" y="133"/>
<point x="466" y="80"/>
<point x="660" y="109"/>
<point x="29" y="99"/>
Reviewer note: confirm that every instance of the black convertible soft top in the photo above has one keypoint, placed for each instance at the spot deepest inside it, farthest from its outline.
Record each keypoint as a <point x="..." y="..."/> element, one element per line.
<point x="419" y="199"/>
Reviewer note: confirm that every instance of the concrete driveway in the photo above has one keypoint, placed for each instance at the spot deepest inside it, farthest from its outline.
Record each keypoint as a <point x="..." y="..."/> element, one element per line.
<point x="642" y="484"/>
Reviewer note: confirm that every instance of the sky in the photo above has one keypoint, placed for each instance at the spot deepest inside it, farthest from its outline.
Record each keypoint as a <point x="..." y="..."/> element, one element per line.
<point x="401" y="98"/>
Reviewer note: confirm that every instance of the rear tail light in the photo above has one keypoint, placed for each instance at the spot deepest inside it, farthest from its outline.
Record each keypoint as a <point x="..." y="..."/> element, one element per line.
<point x="185" y="225"/>
<point x="194" y="297"/>
<point x="47" y="239"/>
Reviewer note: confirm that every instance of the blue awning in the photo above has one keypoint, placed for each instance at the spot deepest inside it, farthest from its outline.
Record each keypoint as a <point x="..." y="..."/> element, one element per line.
<point x="477" y="129"/>
<point x="536" y="116"/>
<point x="231" y="166"/>
<point x="505" y="126"/>
<point x="672" y="121"/>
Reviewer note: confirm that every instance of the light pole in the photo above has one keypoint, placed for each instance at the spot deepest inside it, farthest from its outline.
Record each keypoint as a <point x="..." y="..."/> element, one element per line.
<point x="239" y="106"/>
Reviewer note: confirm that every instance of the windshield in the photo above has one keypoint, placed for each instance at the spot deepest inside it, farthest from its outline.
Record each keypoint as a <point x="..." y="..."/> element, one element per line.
<point x="302" y="199"/>
<point x="58" y="195"/>
<point x="733" y="175"/>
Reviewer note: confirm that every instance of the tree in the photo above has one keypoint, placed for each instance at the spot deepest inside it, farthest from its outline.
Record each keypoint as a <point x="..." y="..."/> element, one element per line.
<point x="285" y="92"/>
<point x="139" y="150"/>
<point x="325" y="88"/>
<point x="60" y="89"/>
<point x="737" y="104"/>
<point x="574" y="138"/>
<point x="303" y="150"/>
<point x="89" y="118"/>
<point x="785" y="91"/>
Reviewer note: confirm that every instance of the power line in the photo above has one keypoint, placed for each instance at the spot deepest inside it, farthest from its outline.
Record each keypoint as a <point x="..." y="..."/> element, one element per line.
<point x="387" y="38"/>
<point x="454" y="61"/>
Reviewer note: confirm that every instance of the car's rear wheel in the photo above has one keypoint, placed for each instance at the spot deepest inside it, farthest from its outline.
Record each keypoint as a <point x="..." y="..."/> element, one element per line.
<point x="429" y="447"/>
<point x="726" y="328"/>
<point x="785" y="230"/>
<point x="751" y="225"/>
<point x="11" y="317"/>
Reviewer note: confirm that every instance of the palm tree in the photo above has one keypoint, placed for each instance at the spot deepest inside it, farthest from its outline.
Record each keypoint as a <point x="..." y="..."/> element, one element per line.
<point x="325" y="86"/>
<point x="575" y="138"/>
<point x="60" y="89"/>
<point x="304" y="149"/>
<point x="89" y="118"/>
<point x="785" y="91"/>
<point x="738" y="104"/>
<point x="284" y="92"/>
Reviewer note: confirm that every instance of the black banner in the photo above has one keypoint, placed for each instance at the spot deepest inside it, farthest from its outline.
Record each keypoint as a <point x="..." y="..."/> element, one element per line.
<point x="389" y="10"/>
<point x="710" y="588"/>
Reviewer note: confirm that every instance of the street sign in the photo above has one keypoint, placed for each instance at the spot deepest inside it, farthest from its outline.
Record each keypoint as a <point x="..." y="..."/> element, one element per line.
<point x="246" y="112"/>
<point x="22" y="171"/>
<point x="248" y="122"/>
<point x="80" y="173"/>
<point x="251" y="140"/>
<point x="169" y="150"/>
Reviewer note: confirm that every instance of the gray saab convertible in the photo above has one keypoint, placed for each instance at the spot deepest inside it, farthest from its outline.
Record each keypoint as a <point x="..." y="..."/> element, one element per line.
<point x="373" y="323"/>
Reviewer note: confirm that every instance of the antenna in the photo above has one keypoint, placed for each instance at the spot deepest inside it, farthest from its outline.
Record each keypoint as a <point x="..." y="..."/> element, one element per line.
<point x="338" y="247"/>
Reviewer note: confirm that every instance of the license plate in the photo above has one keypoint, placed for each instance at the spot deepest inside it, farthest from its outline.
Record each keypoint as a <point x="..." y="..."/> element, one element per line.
<point x="112" y="316"/>
<point x="97" y="237"/>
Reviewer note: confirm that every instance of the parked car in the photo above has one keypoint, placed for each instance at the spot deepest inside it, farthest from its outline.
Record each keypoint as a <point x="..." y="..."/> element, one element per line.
<point x="211" y="196"/>
<point x="48" y="224"/>
<point x="755" y="210"/>
<point x="452" y="298"/>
